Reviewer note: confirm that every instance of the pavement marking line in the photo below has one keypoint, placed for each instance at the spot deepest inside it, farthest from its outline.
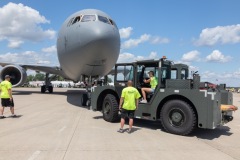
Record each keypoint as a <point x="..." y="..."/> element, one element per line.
<point x="34" y="155"/>
<point x="62" y="129"/>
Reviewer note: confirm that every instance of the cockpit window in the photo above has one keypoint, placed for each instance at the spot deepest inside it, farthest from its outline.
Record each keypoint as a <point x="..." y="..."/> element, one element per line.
<point x="103" y="19"/>
<point x="87" y="18"/>
<point x="70" y="22"/>
<point x="77" y="19"/>
<point x="112" y="22"/>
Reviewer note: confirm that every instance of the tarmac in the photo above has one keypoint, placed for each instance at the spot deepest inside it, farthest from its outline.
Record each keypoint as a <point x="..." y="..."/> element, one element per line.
<point x="56" y="127"/>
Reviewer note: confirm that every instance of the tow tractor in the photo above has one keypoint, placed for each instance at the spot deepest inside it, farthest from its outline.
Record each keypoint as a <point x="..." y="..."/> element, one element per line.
<point x="180" y="103"/>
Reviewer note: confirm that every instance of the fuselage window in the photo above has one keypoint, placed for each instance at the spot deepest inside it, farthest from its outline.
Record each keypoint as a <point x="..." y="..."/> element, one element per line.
<point x="77" y="19"/>
<point x="103" y="19"/>
<point x="87" y="18"/>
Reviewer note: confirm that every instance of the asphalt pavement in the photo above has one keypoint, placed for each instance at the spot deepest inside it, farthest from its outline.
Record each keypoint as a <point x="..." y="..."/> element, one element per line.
<point x="56" y="127"/>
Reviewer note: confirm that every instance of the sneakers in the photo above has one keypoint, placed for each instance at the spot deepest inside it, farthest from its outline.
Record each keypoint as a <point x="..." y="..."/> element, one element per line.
<point x="2" y="116"/>
<point x="129" y="131"/>
<point x="13" y="115"/>
<point x="143" y="101"/>
<point x="120" y="130"/>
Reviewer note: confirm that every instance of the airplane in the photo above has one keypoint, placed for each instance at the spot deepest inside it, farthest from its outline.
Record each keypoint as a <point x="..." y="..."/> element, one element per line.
<point x="88" y="45"/>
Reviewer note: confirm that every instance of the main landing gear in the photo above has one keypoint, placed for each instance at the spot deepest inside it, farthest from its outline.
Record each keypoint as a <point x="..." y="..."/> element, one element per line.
<point x="47" y="86"/>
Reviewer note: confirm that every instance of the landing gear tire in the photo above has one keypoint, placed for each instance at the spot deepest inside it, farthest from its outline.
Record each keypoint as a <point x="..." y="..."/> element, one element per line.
<point x="110" y="108"/>
<point x="84" y="99"/>
<point x="50" y="89"/>
<point x="178" y="117"/>
<point x="43" y="89"/>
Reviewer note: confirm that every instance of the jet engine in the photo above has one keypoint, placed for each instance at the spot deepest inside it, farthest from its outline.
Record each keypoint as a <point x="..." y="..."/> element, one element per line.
<point x="17" y="73"/>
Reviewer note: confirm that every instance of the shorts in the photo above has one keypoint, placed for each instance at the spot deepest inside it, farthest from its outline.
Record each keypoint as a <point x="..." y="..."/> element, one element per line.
<point x="127" y="113"/>
<point x="152" y="90"/>
<point x="7" y="103"/>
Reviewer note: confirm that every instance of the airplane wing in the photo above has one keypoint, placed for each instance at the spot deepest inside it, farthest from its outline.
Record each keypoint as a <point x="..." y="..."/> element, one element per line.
<point x="47" y="69"/>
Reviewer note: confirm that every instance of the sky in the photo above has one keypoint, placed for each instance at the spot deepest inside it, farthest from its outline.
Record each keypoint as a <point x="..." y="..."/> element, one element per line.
<point x="203" y="34"/>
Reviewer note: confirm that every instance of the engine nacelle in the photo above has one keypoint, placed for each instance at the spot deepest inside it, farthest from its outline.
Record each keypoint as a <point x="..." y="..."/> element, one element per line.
<point x="17" y="73"/>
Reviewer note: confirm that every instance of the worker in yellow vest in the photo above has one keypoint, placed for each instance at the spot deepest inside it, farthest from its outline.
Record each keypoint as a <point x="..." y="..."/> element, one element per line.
<point x="6" y="96"/>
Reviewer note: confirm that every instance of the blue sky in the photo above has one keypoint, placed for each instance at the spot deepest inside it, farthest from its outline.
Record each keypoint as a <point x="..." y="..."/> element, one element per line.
<point x="204" y="34"/>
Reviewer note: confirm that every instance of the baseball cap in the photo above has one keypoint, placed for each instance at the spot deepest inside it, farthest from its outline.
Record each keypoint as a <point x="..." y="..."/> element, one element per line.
<point x="7" y="76"/>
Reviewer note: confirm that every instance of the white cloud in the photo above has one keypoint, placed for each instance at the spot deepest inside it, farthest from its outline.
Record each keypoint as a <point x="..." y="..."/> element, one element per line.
<point x="18" y="57"/>
<point x="159" y="40"/>
<point x="20" y="23"/>
<point x="125" y="32"/>
<point x="135" y="42"/>
<point x="191" y="56"/>
<point x="27" y="57"/>
<point x="237" y="73"/>
<point x="125" y="57"/>
<point x="130" y="43"/>
<point x="208" y="75"/>
<point x="219" y="34"/>
<point x="14" y="43"/>
<point x="129" y="57"/>
<point x="153" y="55"/>
<point x="43" y="62"/>
<point x="51" y="49"/>
<point x="228" y="78"/>
<point x="28" y="53"/>
<point x="193" y="68"/>
<point x="217" y="56"/>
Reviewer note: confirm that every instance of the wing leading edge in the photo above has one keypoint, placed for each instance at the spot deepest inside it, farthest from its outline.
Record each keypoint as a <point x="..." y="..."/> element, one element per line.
<point x="47" y="69"/>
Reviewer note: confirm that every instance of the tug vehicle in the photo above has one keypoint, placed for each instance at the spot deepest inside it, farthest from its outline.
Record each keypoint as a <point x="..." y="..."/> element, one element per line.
<point x="180" y="103"/>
